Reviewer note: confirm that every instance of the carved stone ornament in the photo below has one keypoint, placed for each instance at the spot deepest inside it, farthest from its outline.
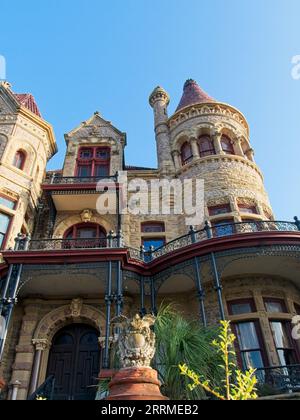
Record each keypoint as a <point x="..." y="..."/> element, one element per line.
<point x="76" y="308"/>
<point x="86" y="216"/>
<point x="136" y="345"/>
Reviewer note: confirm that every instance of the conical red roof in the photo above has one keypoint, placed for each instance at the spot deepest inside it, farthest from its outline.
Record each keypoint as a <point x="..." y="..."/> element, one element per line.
<point x="192" y="95"/>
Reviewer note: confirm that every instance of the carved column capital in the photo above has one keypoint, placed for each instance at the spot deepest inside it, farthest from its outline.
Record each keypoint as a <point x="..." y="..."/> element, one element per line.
<point x="41" y="344"/>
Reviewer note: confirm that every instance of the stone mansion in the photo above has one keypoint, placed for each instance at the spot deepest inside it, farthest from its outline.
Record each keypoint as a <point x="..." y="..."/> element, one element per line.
<point x="66" y="270"/>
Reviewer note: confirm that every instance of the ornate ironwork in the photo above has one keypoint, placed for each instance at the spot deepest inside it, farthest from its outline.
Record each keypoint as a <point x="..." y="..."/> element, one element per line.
<point x="192" y="237"/>
<point x="67" y="244"/>
<point x="69" y="180"/>
<point x="45" y="391"/>
<point x="281" y="379"/>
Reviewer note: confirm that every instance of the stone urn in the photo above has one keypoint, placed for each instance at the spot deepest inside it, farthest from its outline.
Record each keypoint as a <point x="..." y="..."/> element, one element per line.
<point x="136" y="380"/>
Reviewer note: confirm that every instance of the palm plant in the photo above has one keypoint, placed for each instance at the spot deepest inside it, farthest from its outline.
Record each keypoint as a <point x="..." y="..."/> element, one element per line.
<point x="180" y="340"/>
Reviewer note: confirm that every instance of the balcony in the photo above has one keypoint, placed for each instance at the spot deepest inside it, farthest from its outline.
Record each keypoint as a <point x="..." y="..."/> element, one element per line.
<point x="65" y="191"/>
<point x="56" y="180"/>
<point x="257" y="228"/>
<point x="278" y="380"/>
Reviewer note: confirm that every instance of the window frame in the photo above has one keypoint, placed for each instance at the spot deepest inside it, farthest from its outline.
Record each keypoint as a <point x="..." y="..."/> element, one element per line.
<point x="93" y="162"/>
<point x="260" y="338"/>
<point x="231" y="303"/>
<point x="219" y="207"/>
<point x="229" y="149"/>
<point x="23" y="159"/>
<point x="149" y="224"/>
<point x="186" y="160"/>
<point x="12" y="200"/>
<point x="275" y="300"/>
<point x="209" y="151"/>
<point x="7" y="233"/>
<point x="246" y="207"/>
<point x="288" y="330"/>
<point x="162" y="238"/>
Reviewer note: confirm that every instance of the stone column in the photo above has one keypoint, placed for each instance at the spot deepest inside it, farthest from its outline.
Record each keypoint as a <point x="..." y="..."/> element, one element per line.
<point x="250" y="154"/>
<point x="217" y="143"/>
<point x="195" y="148"/>
<point x="237" y="145"/>
<point x="15" y="389"/>
<point x="177" y="160"/>
<point x="22" y="367"/>
<point x="40" y="346"/>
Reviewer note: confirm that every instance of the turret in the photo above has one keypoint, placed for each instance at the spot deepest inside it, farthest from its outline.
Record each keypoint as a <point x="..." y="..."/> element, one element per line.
<point x="159" y="101"/>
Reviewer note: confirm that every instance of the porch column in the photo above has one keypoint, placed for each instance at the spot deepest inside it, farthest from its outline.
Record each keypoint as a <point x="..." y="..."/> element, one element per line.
<point x="109" y="298"/>
<point x="200" y="290"/>
<point x="217" y="281"/>
<point x="153" y="297"/>
<point x="40" y="346"/>
<point x="143" y="310"/>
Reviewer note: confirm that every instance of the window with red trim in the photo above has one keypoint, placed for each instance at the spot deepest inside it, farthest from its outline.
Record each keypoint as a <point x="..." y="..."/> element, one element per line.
<point x="19" y="160"/>
<point x="250" y="348"/>
<point x="222" y="209"/>
<point x="227" y="145"/>
<point x="186" y="153"/>
<point x="153" y="227"/>
<point x="93" y="162"/>
<point x="284" y="343"/>
<point x="206" y="146"/>
<point x="153" y="242"/>
<point x="8" y="202"/>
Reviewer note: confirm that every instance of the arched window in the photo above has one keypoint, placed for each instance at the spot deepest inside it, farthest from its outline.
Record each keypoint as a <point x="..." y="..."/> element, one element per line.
<point x="227" y="146"/>
<point x="19" y="160"/>
<point x="186" y="153"/>
<point x="206" y="146"/>
<point x="85" y="235"/>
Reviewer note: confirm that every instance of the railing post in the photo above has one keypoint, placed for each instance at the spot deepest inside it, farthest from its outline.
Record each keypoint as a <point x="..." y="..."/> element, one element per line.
<point x="52" y="178"/>
<point x="208" y="230"/>
<point x="152" y="249"/>
<point x="110" y="239"/>
<point x="143" y="311"/>
<point x="120" y="239"/>
<point x="192" y="232"/>
<point x="142" y="253"/>
<point x="297" y="222"/>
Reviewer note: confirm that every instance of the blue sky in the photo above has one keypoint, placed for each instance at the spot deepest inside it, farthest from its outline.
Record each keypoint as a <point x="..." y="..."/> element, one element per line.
<point x="77" y="57"/>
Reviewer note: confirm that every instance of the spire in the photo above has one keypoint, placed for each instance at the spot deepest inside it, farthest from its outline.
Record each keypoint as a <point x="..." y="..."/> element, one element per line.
<point x="192" y="95"/>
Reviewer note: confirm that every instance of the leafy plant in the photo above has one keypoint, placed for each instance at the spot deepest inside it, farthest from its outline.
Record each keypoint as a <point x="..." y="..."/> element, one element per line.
<point x="179" y="339"/>
<point x="236" y="384"/>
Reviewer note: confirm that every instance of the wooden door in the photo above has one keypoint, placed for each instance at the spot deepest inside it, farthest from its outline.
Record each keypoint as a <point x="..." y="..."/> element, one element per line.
<point x="74" y="360"/>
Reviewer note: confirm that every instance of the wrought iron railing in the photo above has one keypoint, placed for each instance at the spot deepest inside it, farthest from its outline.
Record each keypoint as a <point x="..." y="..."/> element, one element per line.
<point x="45" y="391"/>
<point x="115" y="241"/>
<point x="71" y="180"/>
<point x="279" y="379"/>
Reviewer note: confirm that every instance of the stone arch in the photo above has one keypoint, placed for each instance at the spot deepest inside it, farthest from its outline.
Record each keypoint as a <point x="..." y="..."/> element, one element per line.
<point x="77" y="312"/>
<point x="70" y="221"/>
<point x="180" y="139"/>
<point x="204" y="129"/>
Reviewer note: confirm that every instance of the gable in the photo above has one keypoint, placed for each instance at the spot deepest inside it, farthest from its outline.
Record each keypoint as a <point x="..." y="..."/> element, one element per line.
<point x="96" y="127"/>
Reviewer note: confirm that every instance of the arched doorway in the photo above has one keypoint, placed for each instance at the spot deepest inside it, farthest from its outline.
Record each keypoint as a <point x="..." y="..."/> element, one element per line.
<point x="85" y="235"/>
<point x="74" y="360"/>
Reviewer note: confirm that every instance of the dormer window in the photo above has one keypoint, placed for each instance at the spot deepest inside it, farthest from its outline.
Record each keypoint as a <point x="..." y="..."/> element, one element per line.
<point x="93" y="162"/>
